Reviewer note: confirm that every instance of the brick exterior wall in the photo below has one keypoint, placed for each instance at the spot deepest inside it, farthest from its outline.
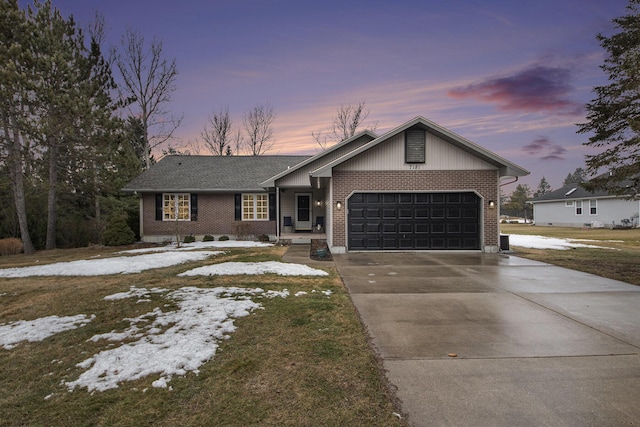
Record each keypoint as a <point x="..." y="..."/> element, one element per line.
<point x="216" y="216"/>
<point x="484" y="182"/>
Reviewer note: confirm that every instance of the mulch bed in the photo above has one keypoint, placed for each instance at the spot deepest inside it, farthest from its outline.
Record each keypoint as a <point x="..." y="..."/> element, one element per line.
<point x="320" y="245"/>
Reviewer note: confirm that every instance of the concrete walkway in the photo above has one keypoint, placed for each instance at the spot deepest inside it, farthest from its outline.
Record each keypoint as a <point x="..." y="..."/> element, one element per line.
<point x="534" y="344"/>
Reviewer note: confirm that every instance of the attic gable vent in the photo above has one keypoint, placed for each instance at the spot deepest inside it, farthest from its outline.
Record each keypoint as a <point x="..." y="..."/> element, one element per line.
<point x="570" y="192"/>
<point x="414" y="146"/>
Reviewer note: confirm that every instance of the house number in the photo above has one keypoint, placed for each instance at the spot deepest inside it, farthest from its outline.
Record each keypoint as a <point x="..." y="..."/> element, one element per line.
<point x="414" y="167"/>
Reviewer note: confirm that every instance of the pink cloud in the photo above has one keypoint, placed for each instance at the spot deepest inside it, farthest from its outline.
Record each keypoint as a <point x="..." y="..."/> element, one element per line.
<point x="535" y="89"/>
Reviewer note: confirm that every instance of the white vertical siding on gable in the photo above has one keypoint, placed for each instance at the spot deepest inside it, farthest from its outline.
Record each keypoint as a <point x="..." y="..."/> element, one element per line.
<point x="440" y="155"/>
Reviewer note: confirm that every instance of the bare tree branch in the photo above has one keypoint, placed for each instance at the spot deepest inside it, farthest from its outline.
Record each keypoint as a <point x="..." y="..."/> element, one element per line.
<point x="149" y="80"/>
<point x="217" y="133"/>
<point x="257" y="123"/>
<point x="345" y="124"/>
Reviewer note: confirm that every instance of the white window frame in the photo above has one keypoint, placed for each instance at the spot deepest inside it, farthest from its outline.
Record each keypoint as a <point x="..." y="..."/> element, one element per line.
<point x="171" y="203"/>
<point x="568" y="203"/>
<point x="579" y="211"/>
<point x="593" y="207"/>
<point x="255" y="207"/>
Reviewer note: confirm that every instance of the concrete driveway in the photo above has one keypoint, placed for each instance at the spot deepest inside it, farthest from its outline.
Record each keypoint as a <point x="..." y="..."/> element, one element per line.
<point x="536" y="345"/>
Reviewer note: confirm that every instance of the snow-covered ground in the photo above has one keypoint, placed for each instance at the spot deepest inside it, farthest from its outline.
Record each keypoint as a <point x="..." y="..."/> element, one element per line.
<point x="541" y="242"/>
<point x="233" y="268"/>
<point x="161" y="256"/>
<point x="105" y="266"/>
<point x="229" y="244"/>
<point x="161" y="343"/>
<point x="36" y="330"/>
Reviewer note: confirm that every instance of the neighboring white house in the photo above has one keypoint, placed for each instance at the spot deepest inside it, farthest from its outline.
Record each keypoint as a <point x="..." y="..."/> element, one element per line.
<point x="573" y="206"/>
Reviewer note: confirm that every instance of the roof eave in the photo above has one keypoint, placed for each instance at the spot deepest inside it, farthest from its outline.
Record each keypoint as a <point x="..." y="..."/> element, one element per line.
<point x="271" y="182"/>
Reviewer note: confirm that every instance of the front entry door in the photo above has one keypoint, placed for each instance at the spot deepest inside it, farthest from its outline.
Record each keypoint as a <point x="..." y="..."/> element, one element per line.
<point x="303" y="212"/>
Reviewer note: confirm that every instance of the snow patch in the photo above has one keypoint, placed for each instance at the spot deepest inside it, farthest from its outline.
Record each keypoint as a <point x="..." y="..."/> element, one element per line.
<point x="200" y="245"/>
<point x="105" y="266"/>
<point x="174" y="343"/>
<point x="239" y="268"/>
<point x="39" y="329"/>
<point x="542" y="242"/>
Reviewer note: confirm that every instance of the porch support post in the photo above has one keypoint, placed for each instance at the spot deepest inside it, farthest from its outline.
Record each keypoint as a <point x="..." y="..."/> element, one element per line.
<point x="277" y="214"/>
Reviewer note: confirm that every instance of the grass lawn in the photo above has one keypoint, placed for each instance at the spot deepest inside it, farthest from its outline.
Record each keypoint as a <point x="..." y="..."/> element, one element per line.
<point x="620" y="258"/>
<point x="299" y="361"/>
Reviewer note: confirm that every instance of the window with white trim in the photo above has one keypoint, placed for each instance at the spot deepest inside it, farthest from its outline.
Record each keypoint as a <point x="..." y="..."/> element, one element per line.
<point x="176" y="206"/>
<point x="593" y="207"/>
<point x="578" y="207"/>
<point x="255" y="207"/>
<point x="569" y="203"/>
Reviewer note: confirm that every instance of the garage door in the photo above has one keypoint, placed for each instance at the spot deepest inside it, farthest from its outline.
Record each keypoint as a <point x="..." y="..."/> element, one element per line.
<point x="405" y="221"/>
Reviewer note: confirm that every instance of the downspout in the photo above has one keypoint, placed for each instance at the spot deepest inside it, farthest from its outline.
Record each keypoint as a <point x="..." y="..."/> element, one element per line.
<point x="141" y="213"/>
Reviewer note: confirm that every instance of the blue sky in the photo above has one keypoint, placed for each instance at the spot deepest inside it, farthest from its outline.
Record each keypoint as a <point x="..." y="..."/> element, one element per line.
<point x="511" y="76"/>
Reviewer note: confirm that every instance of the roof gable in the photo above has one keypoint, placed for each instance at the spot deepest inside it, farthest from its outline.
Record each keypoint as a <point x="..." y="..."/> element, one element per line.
<point x="211" y="173"/>
<point x="506" y="168"/>
<point x="323" y="157"/>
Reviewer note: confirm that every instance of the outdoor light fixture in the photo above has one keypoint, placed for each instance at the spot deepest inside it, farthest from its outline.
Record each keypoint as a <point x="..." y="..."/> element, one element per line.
<point x="339" y="205"/>
<point x="318" y="203"/>
<point x="492" y="204"/>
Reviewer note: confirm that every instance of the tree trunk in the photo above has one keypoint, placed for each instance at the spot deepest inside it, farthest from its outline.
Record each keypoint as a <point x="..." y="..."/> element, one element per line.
<point x="52" y="212"/>
<point x="17" y="183"/>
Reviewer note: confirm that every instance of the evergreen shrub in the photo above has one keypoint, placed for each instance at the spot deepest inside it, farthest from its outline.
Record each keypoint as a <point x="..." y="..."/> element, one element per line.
<point x="118" y="232"/>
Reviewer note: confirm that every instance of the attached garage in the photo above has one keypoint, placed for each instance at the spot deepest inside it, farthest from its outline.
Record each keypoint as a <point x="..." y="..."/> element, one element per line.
<point x="414" y="221"/>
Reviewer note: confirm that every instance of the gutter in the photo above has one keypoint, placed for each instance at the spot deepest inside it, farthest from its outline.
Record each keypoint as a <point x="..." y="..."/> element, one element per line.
<point x="510" y="182"/>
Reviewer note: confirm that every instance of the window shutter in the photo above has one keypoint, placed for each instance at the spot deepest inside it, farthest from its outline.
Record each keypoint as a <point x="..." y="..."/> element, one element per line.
<point x="238" y="206"/>
<point x="194" y="207"/>
<point x="158" y="206"/>
<point x="414" y="146"/>
<point x="272" y="206"/>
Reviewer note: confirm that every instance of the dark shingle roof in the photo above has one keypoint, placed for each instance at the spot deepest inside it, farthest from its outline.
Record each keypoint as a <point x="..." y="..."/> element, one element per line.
<point x="211" y="173"/>
<point x="566" y="193"/>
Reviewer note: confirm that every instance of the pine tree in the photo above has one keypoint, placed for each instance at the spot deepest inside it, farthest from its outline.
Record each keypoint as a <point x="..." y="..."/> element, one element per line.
<point x="543" y="188"/>
<point x="577" y="177"/>
<point x="15" y="54"/>
<point x="518" y="201"/>
<point x="57" y="120"/>
<point x="613" y="117"/>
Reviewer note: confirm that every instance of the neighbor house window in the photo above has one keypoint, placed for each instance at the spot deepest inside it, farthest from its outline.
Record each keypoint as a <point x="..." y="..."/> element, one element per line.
<point x="569" y="203"/>
<point x="176" y="206"/>
<point x="593" y="207"/>
<point x="255" y="207"/>
<point x="578" y="207"/>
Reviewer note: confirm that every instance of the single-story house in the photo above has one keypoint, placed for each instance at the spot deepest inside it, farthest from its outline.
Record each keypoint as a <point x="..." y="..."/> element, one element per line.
<point x="417" y="187"/>
<point x="573" y="206"/>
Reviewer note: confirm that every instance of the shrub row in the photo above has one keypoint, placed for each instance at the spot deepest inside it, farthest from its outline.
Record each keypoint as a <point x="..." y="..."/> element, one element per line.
<point x="10" y="246"/>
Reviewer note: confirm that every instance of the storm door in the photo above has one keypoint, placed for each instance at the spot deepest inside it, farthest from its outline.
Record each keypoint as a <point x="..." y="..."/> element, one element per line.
<point x="303" y="212"/>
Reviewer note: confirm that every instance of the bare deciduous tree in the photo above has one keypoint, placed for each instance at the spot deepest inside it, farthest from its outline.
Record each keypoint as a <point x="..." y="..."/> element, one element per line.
<point x="237" y="143"/>
<point x="257" y="123"/>
<point x="149" y="80"/>
<point x="345" y="124"/>
<point x="217" y="133"/>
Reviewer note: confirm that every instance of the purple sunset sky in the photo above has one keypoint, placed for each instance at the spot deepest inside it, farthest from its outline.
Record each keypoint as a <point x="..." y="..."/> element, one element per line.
<point x="511" y="76"/>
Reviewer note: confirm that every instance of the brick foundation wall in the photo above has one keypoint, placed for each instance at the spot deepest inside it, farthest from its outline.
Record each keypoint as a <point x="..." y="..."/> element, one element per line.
<point x="215" y="217"/>
<point x="484" y="182"/>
